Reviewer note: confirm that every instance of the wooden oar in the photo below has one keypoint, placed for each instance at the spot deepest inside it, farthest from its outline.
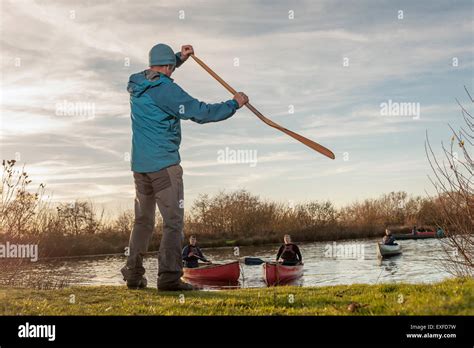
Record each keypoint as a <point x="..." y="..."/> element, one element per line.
<point x="313" y="145"/>
<point x="202" y="259"/>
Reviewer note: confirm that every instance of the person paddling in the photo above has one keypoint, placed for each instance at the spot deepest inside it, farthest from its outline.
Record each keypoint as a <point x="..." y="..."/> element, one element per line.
<point x="289" y="252"/>
<point x="158" y="104"/>
<point x="439" y="232"/>
<point x="388" y="239"/>
<point x="192" y="254"/>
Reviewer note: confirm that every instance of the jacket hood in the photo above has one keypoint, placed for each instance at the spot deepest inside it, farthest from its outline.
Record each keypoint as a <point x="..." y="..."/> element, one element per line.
<point x="140" y="82"/>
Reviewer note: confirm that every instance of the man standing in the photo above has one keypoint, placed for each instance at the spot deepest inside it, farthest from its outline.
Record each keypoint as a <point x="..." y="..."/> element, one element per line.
<point x="158" y="105"/>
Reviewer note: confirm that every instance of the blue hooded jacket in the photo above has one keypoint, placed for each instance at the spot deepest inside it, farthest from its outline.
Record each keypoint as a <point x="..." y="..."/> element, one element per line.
<point x="157" y="107"/>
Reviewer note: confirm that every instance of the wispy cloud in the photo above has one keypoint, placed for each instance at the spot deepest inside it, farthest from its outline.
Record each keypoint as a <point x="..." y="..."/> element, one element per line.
<point x="74" y="52"/>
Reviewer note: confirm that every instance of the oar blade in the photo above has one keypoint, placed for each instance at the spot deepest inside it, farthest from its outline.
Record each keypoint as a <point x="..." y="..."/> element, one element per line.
<point x="252" y="261"/>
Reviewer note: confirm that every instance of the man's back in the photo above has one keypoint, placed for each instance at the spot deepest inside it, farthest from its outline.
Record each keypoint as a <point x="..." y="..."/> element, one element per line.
<point x="157" y="106"/>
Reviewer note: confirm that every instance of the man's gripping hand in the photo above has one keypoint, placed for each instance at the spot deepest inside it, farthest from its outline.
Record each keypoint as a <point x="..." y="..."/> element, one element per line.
<point x="186" y="51"/>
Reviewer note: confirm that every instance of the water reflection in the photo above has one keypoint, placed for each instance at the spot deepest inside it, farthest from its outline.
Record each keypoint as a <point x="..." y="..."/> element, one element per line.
<point x="391" y="267"/>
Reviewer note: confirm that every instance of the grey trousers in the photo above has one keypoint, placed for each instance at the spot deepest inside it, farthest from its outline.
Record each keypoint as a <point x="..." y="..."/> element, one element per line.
<point x="165" y="189"/>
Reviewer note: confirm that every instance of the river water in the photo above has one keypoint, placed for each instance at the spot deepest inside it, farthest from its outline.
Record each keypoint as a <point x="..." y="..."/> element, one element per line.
<point x="325" y="263"/>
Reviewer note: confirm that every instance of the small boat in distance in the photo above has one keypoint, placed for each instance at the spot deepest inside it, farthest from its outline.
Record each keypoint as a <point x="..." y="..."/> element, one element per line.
<point x="384" y="250"/>
<point x="278" y="274"/>
<point x="418" y="235"/>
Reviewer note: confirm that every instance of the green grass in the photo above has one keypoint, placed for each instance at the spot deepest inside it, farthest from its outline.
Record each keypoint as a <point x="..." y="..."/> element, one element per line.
<point x="450" y="297"/>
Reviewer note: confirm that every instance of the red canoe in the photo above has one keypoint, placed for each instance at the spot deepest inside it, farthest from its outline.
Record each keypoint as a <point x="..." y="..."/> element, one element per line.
<point x="228" y="272"/>
<point x="275" y="274"/>
<point x="418" y="235"/>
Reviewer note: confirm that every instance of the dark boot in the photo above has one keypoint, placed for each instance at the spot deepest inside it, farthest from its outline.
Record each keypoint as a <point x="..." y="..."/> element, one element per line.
<point x="134" y="280"/>
<point x="178" y="286"/>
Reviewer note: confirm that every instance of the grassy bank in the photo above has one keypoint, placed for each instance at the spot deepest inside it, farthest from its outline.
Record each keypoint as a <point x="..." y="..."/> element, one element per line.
<point x="450" y="297"/>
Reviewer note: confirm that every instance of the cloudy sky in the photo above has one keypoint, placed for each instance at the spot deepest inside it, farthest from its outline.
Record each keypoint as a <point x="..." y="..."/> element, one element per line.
<point x="320" y="68"/>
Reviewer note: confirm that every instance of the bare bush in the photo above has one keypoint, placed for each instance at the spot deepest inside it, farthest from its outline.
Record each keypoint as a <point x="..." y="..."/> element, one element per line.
<point x="24" y="216"/>
<point x="79" y="217"/>
<point x="18" y="206"/>
<point x="123" y="224"/>
<point x="454" y="203"/>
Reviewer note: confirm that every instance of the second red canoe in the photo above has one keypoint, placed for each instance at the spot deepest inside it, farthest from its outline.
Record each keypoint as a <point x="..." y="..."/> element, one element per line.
<point x="277" y="274"/>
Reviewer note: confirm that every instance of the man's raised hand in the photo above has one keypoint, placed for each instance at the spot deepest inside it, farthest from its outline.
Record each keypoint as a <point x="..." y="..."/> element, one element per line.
<point x="186" y="51"/>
